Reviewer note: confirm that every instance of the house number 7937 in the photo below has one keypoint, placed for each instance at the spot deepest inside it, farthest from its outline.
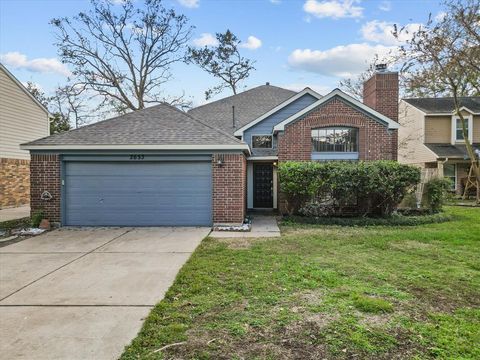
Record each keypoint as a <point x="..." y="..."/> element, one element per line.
<point x="137" y="157"/>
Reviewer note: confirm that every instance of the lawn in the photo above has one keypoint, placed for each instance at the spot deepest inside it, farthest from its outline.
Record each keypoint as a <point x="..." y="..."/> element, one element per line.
<point x="326" y="292"/>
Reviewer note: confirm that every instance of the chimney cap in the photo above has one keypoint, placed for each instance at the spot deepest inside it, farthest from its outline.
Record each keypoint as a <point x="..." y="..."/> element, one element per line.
<point x="267" y="83"/>
<point x="381" y="67"/>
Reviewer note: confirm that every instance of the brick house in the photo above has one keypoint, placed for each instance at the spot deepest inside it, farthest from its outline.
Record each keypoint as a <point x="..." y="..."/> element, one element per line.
<point x="162" y="166"/>
<point x="22" y="119"/>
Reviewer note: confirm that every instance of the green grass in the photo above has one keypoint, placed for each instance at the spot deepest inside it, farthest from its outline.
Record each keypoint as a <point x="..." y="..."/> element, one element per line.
<point x="14" y="224"/>
<point x="326" y="292"/>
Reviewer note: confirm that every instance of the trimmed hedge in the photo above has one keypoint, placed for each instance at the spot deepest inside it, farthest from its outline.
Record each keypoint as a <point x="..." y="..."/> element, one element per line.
<point x="394" y="220"/>
<point x="370" y="188"/>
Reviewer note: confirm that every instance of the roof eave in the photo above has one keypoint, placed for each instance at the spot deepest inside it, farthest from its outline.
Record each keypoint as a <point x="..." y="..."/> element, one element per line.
<point x="193" y="147"/>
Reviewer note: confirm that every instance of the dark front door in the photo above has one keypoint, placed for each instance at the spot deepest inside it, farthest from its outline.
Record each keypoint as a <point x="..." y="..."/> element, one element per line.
<point x="263" y="185"/>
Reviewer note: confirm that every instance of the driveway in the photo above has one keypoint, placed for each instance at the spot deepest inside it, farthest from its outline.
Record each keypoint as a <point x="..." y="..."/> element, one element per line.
<point x="84" y="293"/>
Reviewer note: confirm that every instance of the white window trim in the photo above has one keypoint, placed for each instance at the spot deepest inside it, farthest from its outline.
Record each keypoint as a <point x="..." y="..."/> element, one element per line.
<point x="251" y="141"/>
<point x="469" y="119"/>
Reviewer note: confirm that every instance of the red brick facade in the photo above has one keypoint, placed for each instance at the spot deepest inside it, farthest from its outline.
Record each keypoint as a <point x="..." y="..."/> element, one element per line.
<point x="45" y="176"/>
<point x="375" y="141"/>
<point x="380" y="92"/>
<point x="14" y="182"/>
<point x="229" y="188"/>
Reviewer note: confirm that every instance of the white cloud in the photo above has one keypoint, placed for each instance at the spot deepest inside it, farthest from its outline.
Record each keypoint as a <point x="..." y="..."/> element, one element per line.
<point x="440" y="16"/>
<point x="385" y="6"/>
<point x="340" y="61"/>
<point x="41" y="65"/>
<point x="382" y="32"/>
<point x="189" y="3"/>
<point x="252" y="43"/>
<point x="205" y="39"/>
<point x="335" y="9"/>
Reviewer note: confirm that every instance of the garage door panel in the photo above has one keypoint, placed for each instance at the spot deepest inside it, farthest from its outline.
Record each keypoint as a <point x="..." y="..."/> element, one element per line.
<point x="138" y="194"/>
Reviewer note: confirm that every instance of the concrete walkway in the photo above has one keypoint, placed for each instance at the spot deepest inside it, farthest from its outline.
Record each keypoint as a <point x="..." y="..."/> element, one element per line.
<point x="14" y="213"/>
<point x="262" y="226"/>
<point x="84" y="293"/>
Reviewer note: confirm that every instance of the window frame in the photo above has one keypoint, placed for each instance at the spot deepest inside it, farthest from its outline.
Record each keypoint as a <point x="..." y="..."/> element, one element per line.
<point x="255" y="135"/>
<point x="469" y="119"/>
<point x="454" y="177"/>
<point x="336" y="127"/>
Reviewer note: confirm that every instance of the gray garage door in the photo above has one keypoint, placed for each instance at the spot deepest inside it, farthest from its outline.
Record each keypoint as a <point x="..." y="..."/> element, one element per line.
<point x="138" y="194"/>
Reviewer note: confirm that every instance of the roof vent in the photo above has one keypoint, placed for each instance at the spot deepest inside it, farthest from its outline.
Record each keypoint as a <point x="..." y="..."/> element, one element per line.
<point x="381" y="67"/>
<point x="267" y="83"/>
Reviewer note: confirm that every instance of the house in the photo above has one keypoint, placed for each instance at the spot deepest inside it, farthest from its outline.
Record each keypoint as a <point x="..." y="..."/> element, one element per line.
<point x="162" y="166"/>
<point x="22" y="119"/>
<point x="431" y="136"/>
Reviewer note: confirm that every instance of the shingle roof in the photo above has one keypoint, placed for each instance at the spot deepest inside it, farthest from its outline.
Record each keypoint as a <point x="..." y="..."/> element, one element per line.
<point x="445" y="104"/>
<point x="157" y="125"/>
<point x="249" y="105"/>
<point x="450" y="151"/>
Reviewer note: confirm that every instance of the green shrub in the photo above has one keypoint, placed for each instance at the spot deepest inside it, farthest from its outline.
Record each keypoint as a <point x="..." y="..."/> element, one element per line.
<point x="394" y="220"/>
<point x="372" y="187"/>
<point x="436" y="193"/>
<point x="37" y="217"/>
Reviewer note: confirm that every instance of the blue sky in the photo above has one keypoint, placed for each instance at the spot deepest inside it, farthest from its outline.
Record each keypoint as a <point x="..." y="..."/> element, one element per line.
<point x="295" y="43"/>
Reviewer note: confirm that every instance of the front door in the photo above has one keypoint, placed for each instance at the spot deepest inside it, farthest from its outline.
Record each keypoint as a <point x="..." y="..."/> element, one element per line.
<point x="262" y="185"/>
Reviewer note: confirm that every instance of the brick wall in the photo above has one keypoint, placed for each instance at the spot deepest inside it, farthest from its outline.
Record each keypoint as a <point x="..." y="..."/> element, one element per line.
<point x="45" y="176"/>
<point x="14" y="182"/>
<point x="375" y="141"/>
<point x="229" y="188"/>
<point x="380" y="92"/>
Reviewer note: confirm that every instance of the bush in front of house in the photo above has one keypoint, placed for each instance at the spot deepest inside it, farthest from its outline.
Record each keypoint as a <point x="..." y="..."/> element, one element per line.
<point x="437" y="192"/>
<point x="368" y="188"/>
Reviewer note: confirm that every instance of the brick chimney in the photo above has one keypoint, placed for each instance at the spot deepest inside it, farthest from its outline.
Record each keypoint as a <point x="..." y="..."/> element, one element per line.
<point x="380" y="92"/>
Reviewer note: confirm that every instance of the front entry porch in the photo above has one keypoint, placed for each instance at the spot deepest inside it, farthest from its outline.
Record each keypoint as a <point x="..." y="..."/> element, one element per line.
<point x="262" y="185"/>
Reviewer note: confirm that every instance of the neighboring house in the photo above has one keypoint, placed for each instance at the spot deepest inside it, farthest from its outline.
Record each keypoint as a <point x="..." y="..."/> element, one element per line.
<point x="161" y="166"/>
<point x="431" y="136"/>
<point x="22" y="119"/>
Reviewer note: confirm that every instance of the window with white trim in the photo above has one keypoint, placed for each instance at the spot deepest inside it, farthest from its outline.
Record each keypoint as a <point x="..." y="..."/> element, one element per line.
<point x="335" y="139"/>
<point x="262" y="141"/>
<point x="457" y="129"/>
<point x="450" y="172"/>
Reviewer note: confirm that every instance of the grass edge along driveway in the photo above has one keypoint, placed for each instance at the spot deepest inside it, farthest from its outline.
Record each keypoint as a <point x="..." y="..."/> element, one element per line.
<point x="326" y="292"/>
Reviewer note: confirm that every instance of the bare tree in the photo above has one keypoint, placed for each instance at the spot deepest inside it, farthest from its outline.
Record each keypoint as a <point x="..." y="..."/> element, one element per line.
<point x="449" y="50"/>
<point x="123" y="52"/>
<point x="223" y="61"/>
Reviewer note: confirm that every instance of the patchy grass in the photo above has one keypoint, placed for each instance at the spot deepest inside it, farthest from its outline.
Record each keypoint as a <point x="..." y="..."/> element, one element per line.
<point x="15" y="224"/>
<point x="326" y="292"/>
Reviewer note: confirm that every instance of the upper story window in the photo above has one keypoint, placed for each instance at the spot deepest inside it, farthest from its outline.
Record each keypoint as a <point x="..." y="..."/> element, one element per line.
<point x="457" y="130"/>
<point x="262" y="141"/>
<point x="335" y="139"/>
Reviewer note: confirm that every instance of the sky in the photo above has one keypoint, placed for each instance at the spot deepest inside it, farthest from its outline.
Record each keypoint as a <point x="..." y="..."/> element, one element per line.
<point x="294" y="43"/>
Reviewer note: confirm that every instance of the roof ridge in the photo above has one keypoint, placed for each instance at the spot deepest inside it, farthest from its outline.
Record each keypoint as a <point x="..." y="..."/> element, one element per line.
<point x="243" y="92"/>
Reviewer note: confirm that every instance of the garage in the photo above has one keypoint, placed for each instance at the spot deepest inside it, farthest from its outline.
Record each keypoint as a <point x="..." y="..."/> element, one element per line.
<point x="151" y="193"/>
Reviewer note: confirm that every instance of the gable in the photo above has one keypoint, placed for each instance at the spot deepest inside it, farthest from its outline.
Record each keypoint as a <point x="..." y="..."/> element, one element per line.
<point x="266" y="125"/>
<point x="347" y="100"/>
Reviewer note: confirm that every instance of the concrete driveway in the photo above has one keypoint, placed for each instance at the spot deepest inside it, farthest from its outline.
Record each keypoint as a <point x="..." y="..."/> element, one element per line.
<point x="84" y="293"/>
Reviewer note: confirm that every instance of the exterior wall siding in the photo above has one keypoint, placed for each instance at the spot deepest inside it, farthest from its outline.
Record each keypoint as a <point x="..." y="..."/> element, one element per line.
<point x="14" y="182"/>
<point x="265" y="126"/>
<point x="411" y="136"/>
<point x="375" y="141"/>
<point x="476" y="129"/>
<point x="45" y="176"/>
<point x="438" y="129"/>
<point x="229" y="188"/>
<point x="21" y="119"/>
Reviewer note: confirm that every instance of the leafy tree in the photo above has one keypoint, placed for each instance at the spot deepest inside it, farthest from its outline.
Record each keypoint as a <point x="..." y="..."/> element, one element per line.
<point x="59" y="123"/>
<point x="224" y="62"/>
<point x="122" y="53"/>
